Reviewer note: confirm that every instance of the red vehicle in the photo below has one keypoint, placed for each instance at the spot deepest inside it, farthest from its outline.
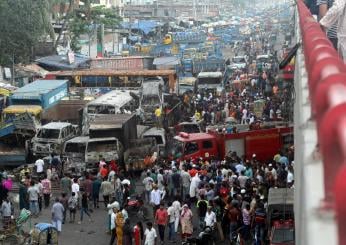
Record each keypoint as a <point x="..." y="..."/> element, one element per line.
<point x="265" y="143"/>
<point x="282" y="233"/>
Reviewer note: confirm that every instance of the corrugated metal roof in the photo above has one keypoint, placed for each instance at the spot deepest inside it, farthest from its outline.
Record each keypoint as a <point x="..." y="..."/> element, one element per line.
<point x="61" y="62"/>
<point x="166" y="61"/>
<point x="39" y="87"/>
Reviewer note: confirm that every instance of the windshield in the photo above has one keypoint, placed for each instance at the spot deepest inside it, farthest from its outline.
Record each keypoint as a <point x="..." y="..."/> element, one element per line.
<point x="177" y="148"/>
<point x="283" y="235"/>
<point x="102" y="146"/>
<point x="151" y="100"/>
<point x="209" y="80"/>
<point x="101" y="109"/>
<point x="239" y="60"/>
<point x="48" y="133"/>
<point x="158" y="138"/>
<point x="75" y="147"/>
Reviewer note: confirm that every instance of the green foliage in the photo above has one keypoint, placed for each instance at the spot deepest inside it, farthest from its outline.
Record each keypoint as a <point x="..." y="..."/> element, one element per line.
<point x="85" y="19"/>
<point x="22" y="24"/>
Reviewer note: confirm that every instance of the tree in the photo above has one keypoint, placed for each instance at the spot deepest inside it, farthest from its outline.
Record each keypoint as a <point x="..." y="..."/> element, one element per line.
<point x="86" y="19"/>
<point x="23" y="23"/>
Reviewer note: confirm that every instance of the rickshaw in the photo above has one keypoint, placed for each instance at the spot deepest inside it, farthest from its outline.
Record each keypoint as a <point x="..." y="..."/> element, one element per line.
<point x="44" y="234"/>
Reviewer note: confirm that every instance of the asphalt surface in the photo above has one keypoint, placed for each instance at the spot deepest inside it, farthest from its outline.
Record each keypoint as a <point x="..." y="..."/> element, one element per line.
<point x="95" y="232"/>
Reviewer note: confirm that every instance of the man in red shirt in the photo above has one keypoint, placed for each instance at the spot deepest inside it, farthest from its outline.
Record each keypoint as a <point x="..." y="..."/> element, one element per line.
<point x="104" y="171"/>
<point x="161" y="218"/>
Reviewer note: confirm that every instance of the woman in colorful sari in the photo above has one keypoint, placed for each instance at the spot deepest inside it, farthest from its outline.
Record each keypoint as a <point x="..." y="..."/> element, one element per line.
<point x="119" y="224"/>
<point x="186" y="222"/>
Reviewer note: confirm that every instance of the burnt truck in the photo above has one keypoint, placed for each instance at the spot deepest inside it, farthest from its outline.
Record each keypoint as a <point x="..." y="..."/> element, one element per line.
<point x="150" y="98"/>
<point x="50" y="138"/>
<point x="83" y="152"/>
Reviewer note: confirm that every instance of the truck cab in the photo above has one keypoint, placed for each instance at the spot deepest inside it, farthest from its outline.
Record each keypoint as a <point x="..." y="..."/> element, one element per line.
<point x="84" y="152"/>
<point x="239" y="62"/>
<point x="160" y="137"/>
<point x="22" y="119"/>
<point x="210" y="82"/>
<point x="193" y="146"/>
<point x="51" y="137"/>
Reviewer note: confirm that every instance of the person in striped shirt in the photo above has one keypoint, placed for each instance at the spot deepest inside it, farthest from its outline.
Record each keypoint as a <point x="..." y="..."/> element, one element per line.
<point x="337" y="14"/>
<point x="324" y="5"/>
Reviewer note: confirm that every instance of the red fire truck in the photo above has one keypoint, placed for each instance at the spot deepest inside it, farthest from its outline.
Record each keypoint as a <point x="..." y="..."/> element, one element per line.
<point x="265" y="143"/>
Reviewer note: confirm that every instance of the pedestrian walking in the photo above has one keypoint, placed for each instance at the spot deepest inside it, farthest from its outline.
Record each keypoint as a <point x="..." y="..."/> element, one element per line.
<point x="106" y="190"/>
<point x="33" y="198"/>
<point x="177" y="208"/>
<point x="6" y="212"/>
<point x="119" y="224"/>
<point x="23" y="196"/>
<point x="57" y="214"/>
<point x="39" y="187"/>
<point x="64" y="201"/>
<point x="150" y="235"/>
<point x="127" y="233"/>
<point x="138" y="233"/>
<point x="161" y="218"/>
<point x="96" y="191"/>
<point x="72" y="206"/>
<point x="65" y="184"/>
<point x="171" y="221"/>
<point x="186" y="222"/>
<point x="155" y="199"/>
<point x="84" y="208"/>
<point x="46" y="189"/>
<point x="39" y="164"/>
<point x="112" y="225"/>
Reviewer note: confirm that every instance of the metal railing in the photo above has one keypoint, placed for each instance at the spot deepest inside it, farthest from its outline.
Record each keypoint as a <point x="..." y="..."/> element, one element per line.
<point x="327" y="91"/>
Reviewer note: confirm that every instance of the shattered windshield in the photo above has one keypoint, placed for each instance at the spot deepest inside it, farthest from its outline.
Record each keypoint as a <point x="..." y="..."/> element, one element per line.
<point x="102" y="146"/>
<point x="75" y="147"/>
<point x="151" y="100"/>
<point x="48" y="133"/>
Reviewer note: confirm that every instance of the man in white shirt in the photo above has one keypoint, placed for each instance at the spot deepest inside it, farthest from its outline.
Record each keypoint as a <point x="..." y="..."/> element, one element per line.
<point x="112" y="227"/>
<point x="244" y="117"/>
<point x="171" y="221"/>
<point x="155" y="198"/>
<point x="210" y="218"/>
<point x="177" y="208"/>
<point x="75" y="187"/>
<point x="148" y="184"/>
<point x="186" y="179"/>
<point x="39" y="166"/>
<point x="150" y="235"/>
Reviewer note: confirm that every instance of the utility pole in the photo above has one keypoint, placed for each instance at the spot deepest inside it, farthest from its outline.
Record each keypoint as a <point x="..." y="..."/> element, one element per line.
<point x="12" y="69"/>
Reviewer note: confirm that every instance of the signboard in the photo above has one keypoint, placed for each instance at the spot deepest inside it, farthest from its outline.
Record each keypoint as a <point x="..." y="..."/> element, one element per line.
<point x="57" y="97"/>
<point x="118" y="63"/>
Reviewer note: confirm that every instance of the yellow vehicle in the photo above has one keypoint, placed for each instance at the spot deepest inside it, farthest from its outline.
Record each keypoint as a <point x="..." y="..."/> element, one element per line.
<point x="15" y="110"/>
<point x="168" y="39"/>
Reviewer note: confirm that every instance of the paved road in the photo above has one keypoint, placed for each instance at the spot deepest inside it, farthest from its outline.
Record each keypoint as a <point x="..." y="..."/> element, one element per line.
<point x="91" y="233"/>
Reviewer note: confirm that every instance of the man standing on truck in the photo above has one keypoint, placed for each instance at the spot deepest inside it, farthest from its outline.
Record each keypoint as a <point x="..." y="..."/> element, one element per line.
<point x="158" y="113"/>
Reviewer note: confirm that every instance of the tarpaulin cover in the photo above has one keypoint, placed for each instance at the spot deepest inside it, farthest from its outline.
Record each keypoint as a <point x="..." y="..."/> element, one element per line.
<point x="144" y="25"/>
